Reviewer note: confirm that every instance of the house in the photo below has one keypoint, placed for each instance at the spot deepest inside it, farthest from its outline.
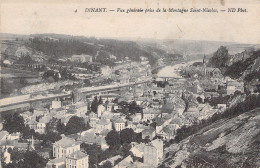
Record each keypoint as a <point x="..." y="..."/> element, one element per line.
<point x="57" y="163"/>
<point x="148" y="133"/>
<point x="15" y="144"/>
<point x="110" y="107"/>
<point x="119" y="124"/>
<point x="105" y="70"/>
<point x="138" y="150"/>
<point x="158" y="144"/>
<point x="151" y="155"/>
<point x="32" y="124"/>
<point x="233" y="86"/>
<point x="149" y="113"/>
<point x="101" y="108"/>
<point x="58" y="113"/>
<point x="140" y="127"/>
<point x="90" y="137"/>
<point x="55" y="104"/>
<point x="111" y="160"/>
<point x="81" y="58"/>
<point x="79" y="109"/>
<point x="77" y="159"/>
<point x="64" y="147"/>
<point x="136" y="118"/>
<point x="7" y="157"/>
<point x="3" y="136"/>
<point x="41" y="125"/>
<point x="107" y="115"/>
<point x="103" y="124"/>
<point x="125" y="163"/>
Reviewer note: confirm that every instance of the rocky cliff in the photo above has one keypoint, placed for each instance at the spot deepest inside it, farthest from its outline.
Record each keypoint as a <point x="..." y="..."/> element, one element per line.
<point x="229" y="143"/>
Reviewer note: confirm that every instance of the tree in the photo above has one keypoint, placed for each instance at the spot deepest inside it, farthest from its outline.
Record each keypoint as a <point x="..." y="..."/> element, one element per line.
<point x="75" y="124"/>
<point x="13" y="123"/>
<point x="199" y="99"/>
<point x="32" y="160"/>
<point x="100" y="100"/>
<point x="113" y="139"/>
<point x="61" y="128"/>
<point x="127" y="136"/>
<point x="134" y="108"/>
<point x="107" y="164"/>
<point x="94" y="104"/>
<point x="87" y="82"/>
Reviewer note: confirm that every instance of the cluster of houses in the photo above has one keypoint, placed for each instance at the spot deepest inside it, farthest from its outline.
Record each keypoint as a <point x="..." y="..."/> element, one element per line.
<point x="164" y="111"/>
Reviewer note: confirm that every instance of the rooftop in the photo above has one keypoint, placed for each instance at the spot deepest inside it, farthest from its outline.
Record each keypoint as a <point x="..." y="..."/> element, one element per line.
<point x="66" y="142"/>
<point x="77" y="155"/>
<point x="119" y="120"/>
<point x="57" y="160"/>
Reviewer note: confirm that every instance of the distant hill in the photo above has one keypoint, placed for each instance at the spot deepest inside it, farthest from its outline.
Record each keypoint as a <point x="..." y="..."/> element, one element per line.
<point x="59" y="46"/>
<point x="197" y="49"/>
<point x="63" y="46"/>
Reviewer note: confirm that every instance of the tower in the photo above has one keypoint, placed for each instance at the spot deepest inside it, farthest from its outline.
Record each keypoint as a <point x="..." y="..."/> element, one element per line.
<point x="204" y="60"/>
<point x="204" y="65"/>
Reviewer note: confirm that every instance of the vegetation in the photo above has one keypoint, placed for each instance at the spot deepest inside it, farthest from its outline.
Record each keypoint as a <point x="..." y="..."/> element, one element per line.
<point x="236" y="70"/>
<point x="115" y="139"/>
<point x="220" y="58"/>
<point x="254" y="75"/>
<point x="13" y="123"/>
<point x="28" y="159"/>
<point x="96" y="155"/>
<point x="75" y="124"/>
<point x="129" y="109"/>
<point x="251" y="102"/>
<point x="100" y="48"/>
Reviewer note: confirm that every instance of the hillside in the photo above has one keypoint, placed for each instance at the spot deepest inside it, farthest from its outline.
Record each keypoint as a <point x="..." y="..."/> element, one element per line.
<point x="57" y="46"/>
<point x="229" y="143"/>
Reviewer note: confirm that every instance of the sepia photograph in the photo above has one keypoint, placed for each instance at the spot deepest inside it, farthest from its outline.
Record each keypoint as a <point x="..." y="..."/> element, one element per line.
<point x="130" y="84"/>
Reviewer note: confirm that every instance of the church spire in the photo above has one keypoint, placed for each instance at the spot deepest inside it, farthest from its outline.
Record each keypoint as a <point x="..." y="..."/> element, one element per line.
<point x="204" y="59"/>
<point x="32" y="143"/>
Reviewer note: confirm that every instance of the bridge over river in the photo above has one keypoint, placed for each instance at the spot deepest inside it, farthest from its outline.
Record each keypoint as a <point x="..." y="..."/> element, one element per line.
<point x="12" y="103"/>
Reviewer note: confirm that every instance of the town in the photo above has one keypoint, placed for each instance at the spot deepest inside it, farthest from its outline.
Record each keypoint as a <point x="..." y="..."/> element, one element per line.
<point x="96" y="115"/>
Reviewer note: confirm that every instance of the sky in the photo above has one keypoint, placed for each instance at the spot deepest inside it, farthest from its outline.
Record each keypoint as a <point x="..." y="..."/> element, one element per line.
<point x="59" y="16"/>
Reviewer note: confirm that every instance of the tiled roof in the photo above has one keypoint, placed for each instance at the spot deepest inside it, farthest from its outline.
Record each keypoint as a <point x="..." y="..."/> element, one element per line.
<point x="66" y="142"/>
<point x="57" y="160"/>
<point x="77" y="155"/>
<point x="3" y="133"/>
<point x="103" y="122"/>
<point x="119" y="120"/>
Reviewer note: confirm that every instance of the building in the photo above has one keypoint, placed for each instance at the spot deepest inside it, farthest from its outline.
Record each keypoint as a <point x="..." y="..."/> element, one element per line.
<point x="148" y="133"/>
<point x="65" y="147"/>
<point x="105" y="70"/>
<point x="150" y="155"/>
<point x="56" y="104"/>
<point x="101" y="108"/>
<point x="149" y="114"/>
<point x="77" y="159"/>
<point x="56" y="163"/>
<point x="81" y="58"/>
<point x="233" y="86"/>
<point x="158" y="144"/>
<point x="138" y="150"/>
<point x="119" y="124"/>
<point x="136" y="118"/>
<point x="104" y="124"/>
